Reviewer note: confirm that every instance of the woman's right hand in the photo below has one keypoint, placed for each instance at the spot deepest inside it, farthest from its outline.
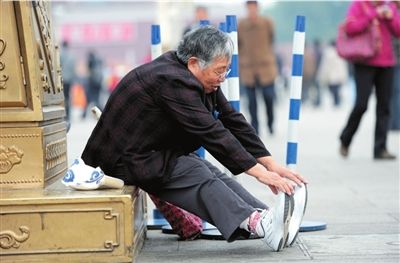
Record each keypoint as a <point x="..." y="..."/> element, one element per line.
<point x="272" y="179"/>
<point x="384" y="11"/>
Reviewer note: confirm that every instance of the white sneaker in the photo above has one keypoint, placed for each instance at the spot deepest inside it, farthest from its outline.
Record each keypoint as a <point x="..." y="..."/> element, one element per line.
<point x="275" y="222"/>
<point x="300" y="203"/>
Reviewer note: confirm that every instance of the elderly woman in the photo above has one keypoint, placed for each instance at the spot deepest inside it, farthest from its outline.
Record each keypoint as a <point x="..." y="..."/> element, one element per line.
<point x="161" y="112"/>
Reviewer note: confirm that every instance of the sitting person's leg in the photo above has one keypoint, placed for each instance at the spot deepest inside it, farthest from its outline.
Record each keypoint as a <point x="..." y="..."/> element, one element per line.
<point x="202" y="191"/>
<point x="259" y="222"/>
<point x="194" y="187"/>
<point x="236" y="187"/>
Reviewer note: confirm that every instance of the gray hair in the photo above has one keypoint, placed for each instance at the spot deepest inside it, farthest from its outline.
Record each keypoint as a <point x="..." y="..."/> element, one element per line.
<point x="206" y="43"/>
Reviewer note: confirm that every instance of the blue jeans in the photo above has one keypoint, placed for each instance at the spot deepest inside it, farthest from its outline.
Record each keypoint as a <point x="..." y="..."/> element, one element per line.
<point x="268" y="92"/>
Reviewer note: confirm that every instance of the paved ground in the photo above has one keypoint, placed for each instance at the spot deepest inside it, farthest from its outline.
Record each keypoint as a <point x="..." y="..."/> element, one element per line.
<point x="357" y="197"/>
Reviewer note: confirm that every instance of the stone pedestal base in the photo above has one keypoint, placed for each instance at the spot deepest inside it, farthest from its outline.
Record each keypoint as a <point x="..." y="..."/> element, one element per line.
<point x="57" y="224"/>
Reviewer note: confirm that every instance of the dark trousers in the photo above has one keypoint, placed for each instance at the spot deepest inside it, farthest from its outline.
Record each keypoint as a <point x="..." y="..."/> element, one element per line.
<point x="67" y="100"/>
<point x="268" y="92"/>
<point x="366" y="77"/>
<point x="395" y="117"/>
<point x="317" y="99"/>
<point x="200" y="188"/>
<point x="334" y="89"/>
<point x="92" y="96"/>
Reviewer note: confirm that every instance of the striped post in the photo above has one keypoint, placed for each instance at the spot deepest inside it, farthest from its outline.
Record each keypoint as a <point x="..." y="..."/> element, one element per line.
<point x="294" y="116"/>
<point x="233" y="77"/>
<point x="224" y="85"/>
<point x="233" y="94"/>
<point x="295" y="92"/>
<point x="156" y="50"/>
<point x="158" y="220"/>
<point x="204" y="22"/>
<point x="201" y="152"/>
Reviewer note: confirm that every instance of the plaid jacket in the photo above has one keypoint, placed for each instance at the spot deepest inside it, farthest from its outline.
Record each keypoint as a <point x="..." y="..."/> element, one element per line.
<point x="158" y="112"/>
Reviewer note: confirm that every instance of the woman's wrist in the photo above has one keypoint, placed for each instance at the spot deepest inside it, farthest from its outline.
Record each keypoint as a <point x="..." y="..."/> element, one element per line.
<point x="256" y="171"/>
<point x="268" y="162"/>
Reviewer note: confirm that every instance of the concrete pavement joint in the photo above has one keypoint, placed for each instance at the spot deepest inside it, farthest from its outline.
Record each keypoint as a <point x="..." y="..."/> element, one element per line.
<point x="391" y="215"/>
<point x="303" y="248"/>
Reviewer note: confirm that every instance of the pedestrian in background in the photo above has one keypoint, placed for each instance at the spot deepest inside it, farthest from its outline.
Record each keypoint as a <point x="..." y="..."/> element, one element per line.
<point x="309" y="72"/>
<point x="333" y="72"/>
<point x="94" y="81"/>
<point x="377" y="72"/>
<point x="201" y="13"/>
<point x="258" y="68"/>
<point x="317" y="49"/>
<point x="69" y="76"/>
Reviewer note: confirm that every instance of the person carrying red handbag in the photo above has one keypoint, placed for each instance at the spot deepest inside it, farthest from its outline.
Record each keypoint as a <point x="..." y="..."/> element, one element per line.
<point x="374" y="72"/>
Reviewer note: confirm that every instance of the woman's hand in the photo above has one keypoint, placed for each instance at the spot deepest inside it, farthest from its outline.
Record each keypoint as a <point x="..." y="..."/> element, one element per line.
<point x="284" y="172"/>
<point x="273" y="180"/>
<point x="287" y="173"/>
<point x="384" y="11"/>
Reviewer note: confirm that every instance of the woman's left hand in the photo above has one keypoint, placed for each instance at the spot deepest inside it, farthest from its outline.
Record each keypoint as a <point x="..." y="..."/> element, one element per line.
<point x="283" y="171"/>
<point x="287" y="173"/>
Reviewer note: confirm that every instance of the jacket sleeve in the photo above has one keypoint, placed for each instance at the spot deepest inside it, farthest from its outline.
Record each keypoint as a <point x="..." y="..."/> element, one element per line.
<point x="394" y="23"/>
<point x="359" y="17"/>
<point x="184" y="103"/>
<point x="236" y="123"/>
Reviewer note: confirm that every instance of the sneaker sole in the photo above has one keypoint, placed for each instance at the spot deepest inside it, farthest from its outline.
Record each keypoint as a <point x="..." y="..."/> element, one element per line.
<point x="304" y="211"/>
<point x="287" y="215"/>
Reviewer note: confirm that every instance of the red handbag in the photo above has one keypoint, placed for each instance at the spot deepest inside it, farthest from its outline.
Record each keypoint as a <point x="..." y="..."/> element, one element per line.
<point x="359" y="47"/>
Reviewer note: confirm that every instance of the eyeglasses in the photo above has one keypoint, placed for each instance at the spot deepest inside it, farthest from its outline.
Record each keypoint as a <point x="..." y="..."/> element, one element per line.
<point x="222" y="75"/>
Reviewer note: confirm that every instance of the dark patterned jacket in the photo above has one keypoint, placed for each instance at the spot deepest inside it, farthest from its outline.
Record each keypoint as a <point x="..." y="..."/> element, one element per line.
<point x="158" y="112"/>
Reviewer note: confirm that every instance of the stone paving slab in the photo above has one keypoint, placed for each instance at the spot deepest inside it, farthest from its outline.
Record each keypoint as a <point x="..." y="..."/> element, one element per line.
<point x="165" y="248"/>
<point x="325" y="248"/>
<point x="346" y="248"/>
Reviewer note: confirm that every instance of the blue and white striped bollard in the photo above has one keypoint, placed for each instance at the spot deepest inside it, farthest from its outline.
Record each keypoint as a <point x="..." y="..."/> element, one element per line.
<point x="156" y="49"/>
<point x="201" y="152"/>
<point x="233" y="76"/>
<point x="294" y="112"/>
<point x="224" y="85"/>
<point x="204" y="22"/>
<point x="158" y="220"/>
<point x="295" y="92"/>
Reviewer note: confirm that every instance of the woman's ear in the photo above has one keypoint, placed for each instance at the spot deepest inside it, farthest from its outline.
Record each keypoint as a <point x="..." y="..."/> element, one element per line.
<point x="193" y="65"/>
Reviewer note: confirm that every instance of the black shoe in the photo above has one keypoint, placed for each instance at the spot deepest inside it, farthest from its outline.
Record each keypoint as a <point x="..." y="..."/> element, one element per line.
<point x="344" y="150"/>
<point x="384" y="155"/>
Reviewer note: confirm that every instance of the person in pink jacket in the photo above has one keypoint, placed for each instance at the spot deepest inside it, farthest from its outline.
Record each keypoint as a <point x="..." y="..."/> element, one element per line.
<point x="377" y="72"/>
